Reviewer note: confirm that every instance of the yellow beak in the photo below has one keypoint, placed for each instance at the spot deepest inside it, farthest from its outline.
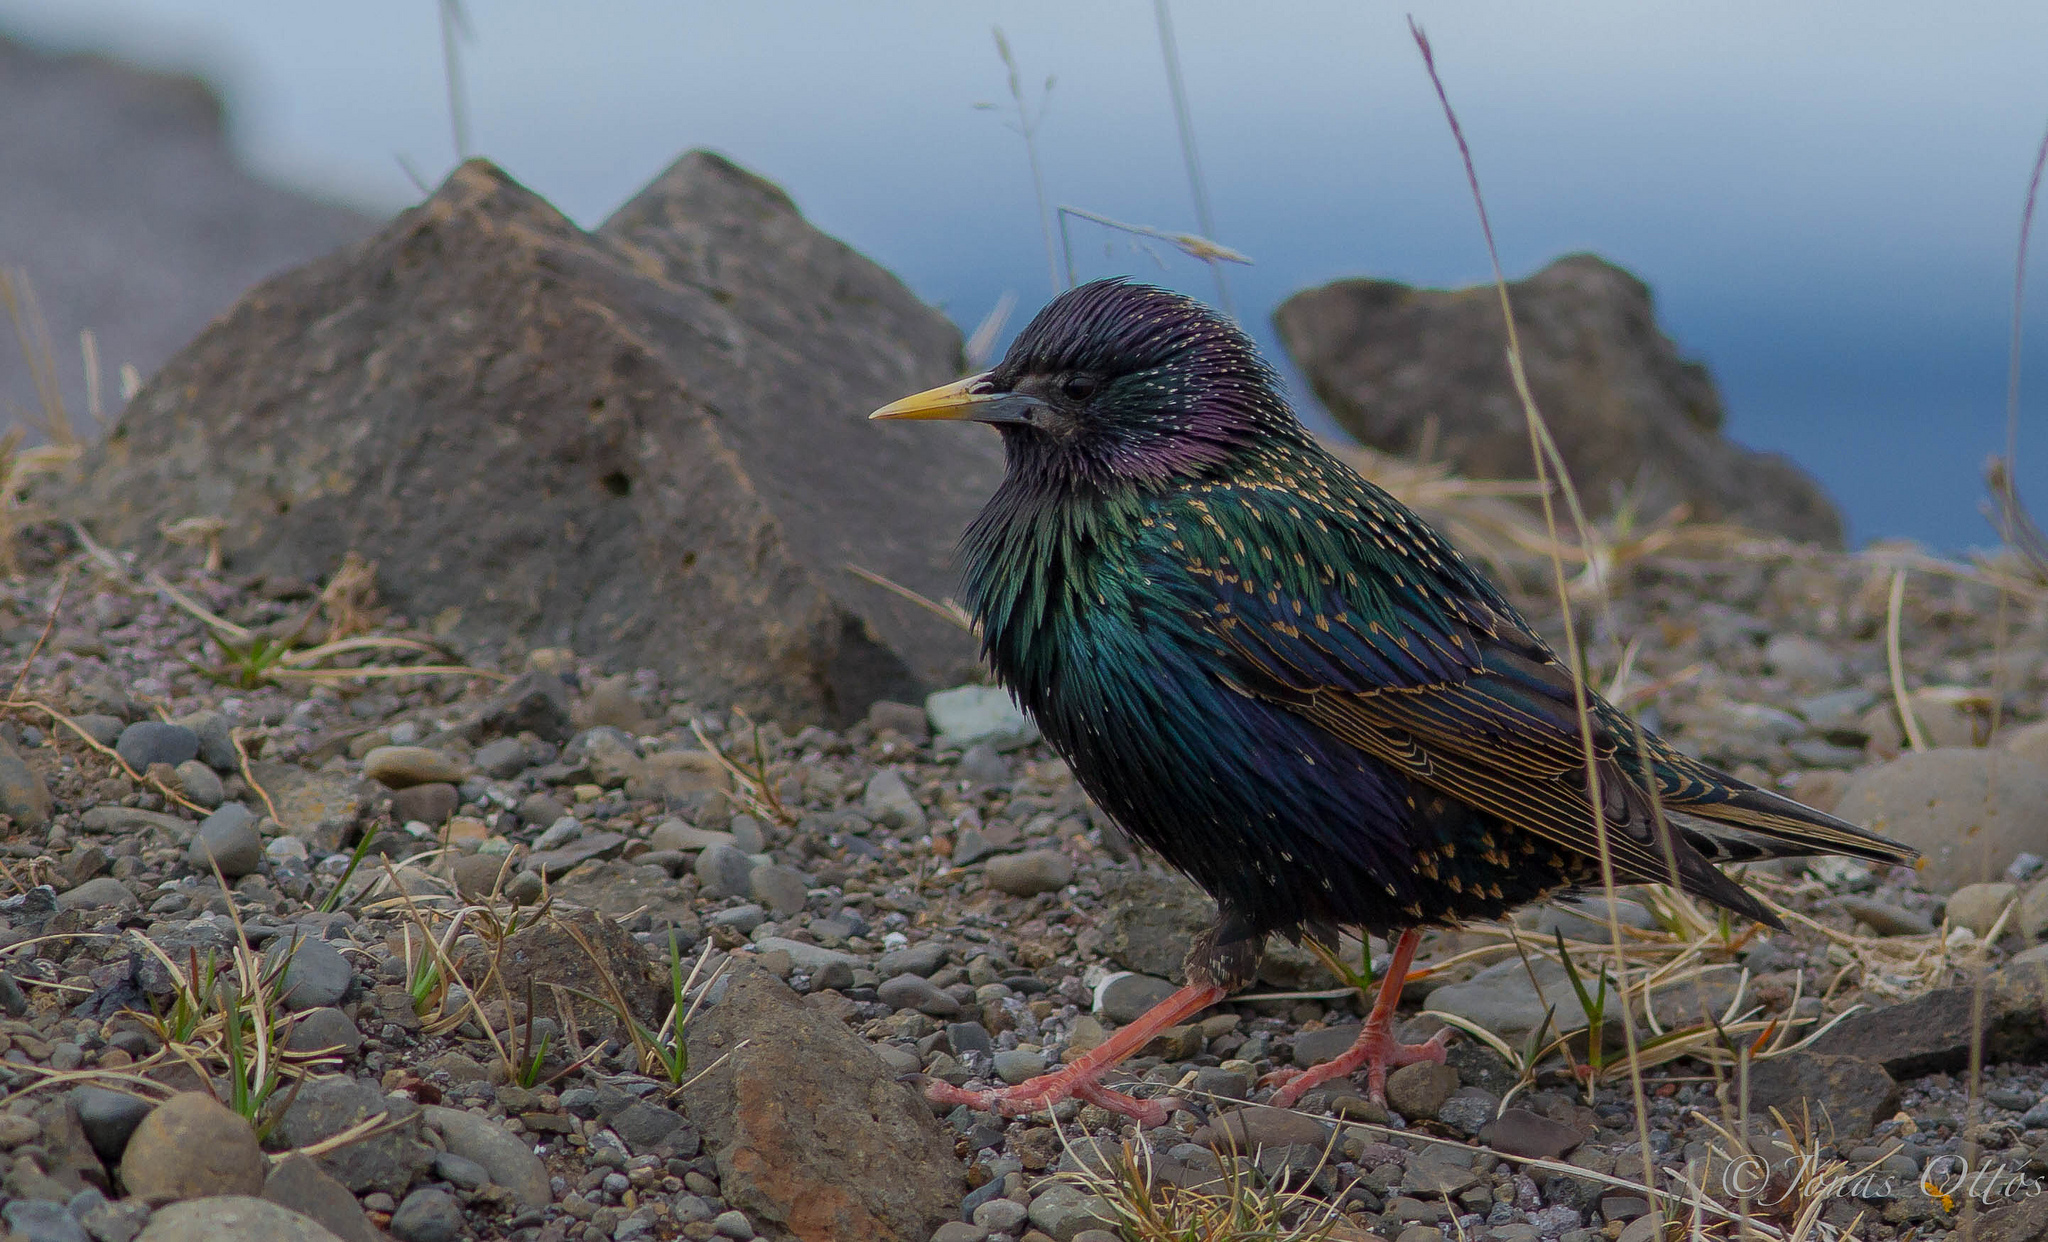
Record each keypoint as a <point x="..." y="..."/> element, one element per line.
<point x="969" y="399"/>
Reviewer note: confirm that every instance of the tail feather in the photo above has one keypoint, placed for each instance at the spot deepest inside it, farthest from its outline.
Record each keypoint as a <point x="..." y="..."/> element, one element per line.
<point x="1751" y="823"/>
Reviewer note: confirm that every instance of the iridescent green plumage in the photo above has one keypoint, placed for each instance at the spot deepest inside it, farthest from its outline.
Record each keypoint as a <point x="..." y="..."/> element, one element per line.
<point x="1280" y="678"/>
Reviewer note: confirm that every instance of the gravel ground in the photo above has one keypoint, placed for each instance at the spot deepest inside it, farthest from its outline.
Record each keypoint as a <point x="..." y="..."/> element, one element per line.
<point x="954" y="903"/>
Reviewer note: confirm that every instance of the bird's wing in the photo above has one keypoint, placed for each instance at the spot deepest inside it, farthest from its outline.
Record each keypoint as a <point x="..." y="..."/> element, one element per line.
<point x="1387" y="641"/>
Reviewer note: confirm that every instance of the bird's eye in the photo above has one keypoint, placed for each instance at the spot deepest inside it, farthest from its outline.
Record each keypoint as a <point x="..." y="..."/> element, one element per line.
<point x="1079" y="387"/>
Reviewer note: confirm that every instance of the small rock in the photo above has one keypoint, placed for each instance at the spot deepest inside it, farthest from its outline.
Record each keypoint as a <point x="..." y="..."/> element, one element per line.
<point x="430" y="804"/>
<point x="188" y="1147"/>
<point x="232" y="1218"/>
<point x="889" y="802"/>
<point x="1853" y="1094"/>
<point x="1520" y="1132"/>
<point x="109" y="1119"/>
<point x="428" y="1214"/>
<point x="913" y="992"/>
<point x="1468" y="1111"/>
<point x="1062" y="1212"/>
<point x="324" y="1107"/>
<point x="318" y="975"/>
<point x="1245" y="1130"/>
<point x="1886" y="919"/>
<point x="1501" y="999"/>
<point x="962" y="1231"/>
<point x="742" y="919"/>
<point x="460" y="1172"/>
<point x="200" y="783"/>
<point x="966" y="715"/>
<point x="1419" y="1090"/>
<point x="1316" y="1047"/>
<point x="228" y="839"/>
<point x="1029" y="873"/>
<point x="397" y="767"/>
<point x="674" y="834"/>
<point x="1585" y="918"/>
<point x="510" y="1162"/>
<point x="23" y="795"/>
<point x="922" y="959"/>
<point x="2032" y="916"/>
<point x="324" y="1028"/>
<point x="101" y="728"/>
<point x="502" y="759"/>
<point x="1123" y="998"/>
<point x="42" y="1220"/>
<point x="97" y="894"/>
<point x="1000" y="1215"/>
<point x="155" y="741"/>
<point x="216" y="740"/>
<point x="809" y="958"/>
<point x="1015" y="1065"/>
<point x="903" y="719"/>
<point x="297" y="1183"/>
<point x="1978" y="906"/>
<point x="785" y="889"/>
<point x="724" y="871"/>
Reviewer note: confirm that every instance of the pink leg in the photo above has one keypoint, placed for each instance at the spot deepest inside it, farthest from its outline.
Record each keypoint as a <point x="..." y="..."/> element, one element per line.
<point x="1081" y="1078"/>
<point x="1375" y="1048"/>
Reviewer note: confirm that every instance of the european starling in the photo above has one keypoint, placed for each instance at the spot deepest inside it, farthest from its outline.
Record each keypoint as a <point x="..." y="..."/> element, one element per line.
<point x="1285" y="682"/>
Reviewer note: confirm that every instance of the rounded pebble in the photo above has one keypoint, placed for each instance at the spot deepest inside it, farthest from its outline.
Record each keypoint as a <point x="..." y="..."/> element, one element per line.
<point x="155" y="741"/>
<point x="1029" y="873"/>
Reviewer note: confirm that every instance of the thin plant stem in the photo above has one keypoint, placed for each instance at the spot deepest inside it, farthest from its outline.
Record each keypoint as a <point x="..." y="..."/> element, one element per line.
<point x="1183" y="121"/>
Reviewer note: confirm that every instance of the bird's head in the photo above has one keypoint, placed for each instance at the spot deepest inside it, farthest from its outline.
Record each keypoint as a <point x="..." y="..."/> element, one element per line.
<point x="1116" y="380"/>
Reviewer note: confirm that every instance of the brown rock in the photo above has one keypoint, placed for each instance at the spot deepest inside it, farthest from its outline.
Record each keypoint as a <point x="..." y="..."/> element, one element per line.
<point x="430" y="804"/>
<point x="1933" y="1033"/>
<point x="1520" y="1132"/>
<point x="645" y="443"/>
<point x="804" y="1116"/>
<point x="578" y="948"/>
<point x="1407" y="370"/>
<point x="323" y="809"/>
<point x="1847" y="1094"/>
<point x="190" y="1146"/>
<point x="232" y="1218"/>
<point x="1970" y="812"/>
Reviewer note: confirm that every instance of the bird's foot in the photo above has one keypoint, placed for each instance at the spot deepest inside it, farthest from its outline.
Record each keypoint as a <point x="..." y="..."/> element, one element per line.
<point x="1376" y="1050"/>
<point x="1046" y="1090"/>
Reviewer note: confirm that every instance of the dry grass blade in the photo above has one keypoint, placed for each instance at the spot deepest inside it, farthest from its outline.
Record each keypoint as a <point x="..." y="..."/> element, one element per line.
<point x="1909" y="722"/>
<point x="944" y="608"/>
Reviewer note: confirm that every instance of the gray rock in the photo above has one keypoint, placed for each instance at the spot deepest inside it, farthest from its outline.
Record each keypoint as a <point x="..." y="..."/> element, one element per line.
<point x="232" y="1218"/>
<point x="809" y="958"/>
<point x="785" y="889"/>
<point x="923" y="959"/>
<point x="1419" y="1090"/>
<point x="1979" y="906"/>
<point x="1392" y="362"/>
<point x="428" y="1214"/>
<point x="732" y="1224"/>
<point x="1063" y="1211"/>
<point x="200" y="783"/>
<point x="325" y="1028"/>
<point x="109" y="1119"/>
<point x="971" y="847"/>
<point x="501" y="759"/>
<point x="2032" y="917"/>
<point x="1585" y="918"/>
<point x="23" y="795"/>
<point x="1151" y="920"/>
<point x="510" y="1162"/>
<point x="674" y="834"/>
<point x="97" y="894"/>
<point x="323" y="809"/>
<point x="914" y="992"/>
<point x="318" y="975"/>
<point x="1015" y="1065"/>
<point x="326" y="1106"/>
<point x="903" y="719"/>
<point x="106" y="730"/>
<point x="42" y="1220"/>
<point x="968" y="716"/>
<point x="1029" y="873"/>
<point x="1851" y="1093"/>
<point x="1969" y="811"/>
<point x="460" y="1171"/>
<point x="785" y="1059"/>
<point x="889" y="802"/>
<point x="1435" y="1173"/>
<point x="228" y="839"/>
<point x="1886" y="919"/>
<point x="1520" y="1132"/>
<point x="1316" y="1047"/>
<point x="645" y="1127"/>
<point x="713" y="341"/>
<point x="296" y="1182"/>
<point x="156" y="741"/>
<point x="725" y="872"/>
<point x="742" y="919"/>
<point x="1501" y="999"/>
<point x="1000" y="1215"/>
<point x="558" y="862"/>
<point x="1934" y="1032"/>
<point x="1123" y="998"/>
<point x="216" y="740"/>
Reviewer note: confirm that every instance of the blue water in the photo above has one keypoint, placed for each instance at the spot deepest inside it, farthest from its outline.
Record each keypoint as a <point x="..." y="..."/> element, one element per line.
<point x="1824" y="198"/>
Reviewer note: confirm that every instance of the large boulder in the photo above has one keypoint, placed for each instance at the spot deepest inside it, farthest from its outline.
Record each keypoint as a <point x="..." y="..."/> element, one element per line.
<point x="1416" y="371"/>
<point x="647" y="443"/>
<point x="122" y="201"/>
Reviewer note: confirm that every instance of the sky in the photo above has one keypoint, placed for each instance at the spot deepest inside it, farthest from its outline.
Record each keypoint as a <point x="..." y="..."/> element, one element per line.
<point x="1824" y="197"/>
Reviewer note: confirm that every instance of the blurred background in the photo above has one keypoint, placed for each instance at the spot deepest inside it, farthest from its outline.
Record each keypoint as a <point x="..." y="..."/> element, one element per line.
<point x="1825" y="199"/>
